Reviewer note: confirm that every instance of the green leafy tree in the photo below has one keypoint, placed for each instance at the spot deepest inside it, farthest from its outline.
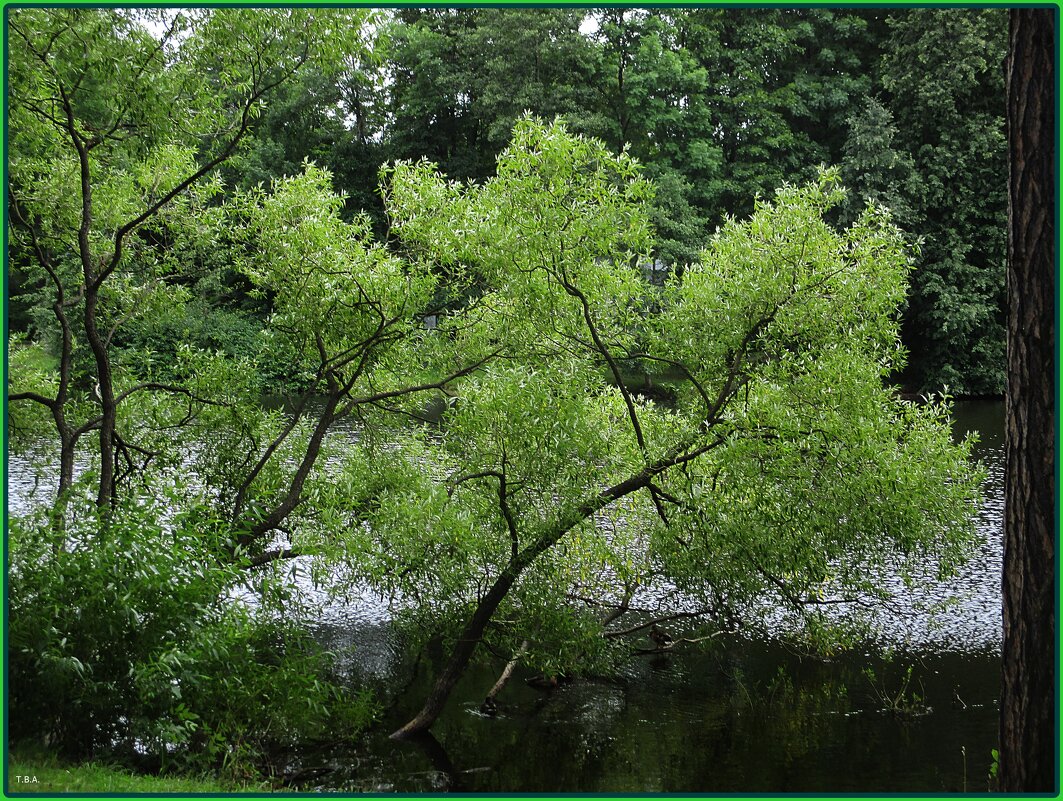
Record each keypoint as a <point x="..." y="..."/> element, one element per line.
<point x="461" y="79"/>
<point x="874" y="169"/>
<point x="942" y="75"/>
<point x="650" y="102"/>
<point x="118" y="132"/>
<point x="746" y="55"/>
<point x="553" y="481"/>
<point x="333" y="115"/>
<point x="123" y="627"/>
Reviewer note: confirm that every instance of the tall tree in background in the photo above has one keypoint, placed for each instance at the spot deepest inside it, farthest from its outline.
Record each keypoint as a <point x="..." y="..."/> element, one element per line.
<point x="651" y="99"/>
<point x="942" y="77"/>
<point x="1028" y="746"/>
<point x="462" y="77"/>
<point x="873" y="168"/>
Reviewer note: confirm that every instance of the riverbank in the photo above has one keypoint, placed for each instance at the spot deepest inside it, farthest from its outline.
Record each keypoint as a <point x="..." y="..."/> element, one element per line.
<point x="40" y="772"/>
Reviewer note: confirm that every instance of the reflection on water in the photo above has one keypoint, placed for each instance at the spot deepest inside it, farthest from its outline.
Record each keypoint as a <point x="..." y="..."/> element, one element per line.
<point x="744" y="716"/>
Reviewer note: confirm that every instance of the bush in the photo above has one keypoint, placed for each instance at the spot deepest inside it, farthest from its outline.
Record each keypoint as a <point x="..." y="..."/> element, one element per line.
<point x="124" y="637"/>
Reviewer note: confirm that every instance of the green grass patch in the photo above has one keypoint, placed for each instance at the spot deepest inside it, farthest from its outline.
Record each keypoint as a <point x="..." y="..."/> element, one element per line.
<point x="30" y="772"/>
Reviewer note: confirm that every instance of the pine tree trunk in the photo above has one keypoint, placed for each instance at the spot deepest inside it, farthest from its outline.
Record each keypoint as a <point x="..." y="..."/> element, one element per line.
<point x="1028" y="747"/>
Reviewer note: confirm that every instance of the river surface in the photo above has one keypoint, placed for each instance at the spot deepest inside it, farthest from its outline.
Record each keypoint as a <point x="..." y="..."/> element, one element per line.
<point x="742" y="716"/>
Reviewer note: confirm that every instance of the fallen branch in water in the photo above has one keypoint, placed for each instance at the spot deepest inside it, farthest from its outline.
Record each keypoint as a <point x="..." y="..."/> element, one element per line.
<point x="489" y="706"/>
<point x="661" y="649"/>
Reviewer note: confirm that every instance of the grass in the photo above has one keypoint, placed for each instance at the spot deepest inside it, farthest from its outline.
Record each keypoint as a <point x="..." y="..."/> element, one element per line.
<point x="31" y="772"/>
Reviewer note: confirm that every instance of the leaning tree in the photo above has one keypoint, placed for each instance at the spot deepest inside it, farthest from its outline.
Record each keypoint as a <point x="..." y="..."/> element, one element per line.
<point x="551" y="489"/>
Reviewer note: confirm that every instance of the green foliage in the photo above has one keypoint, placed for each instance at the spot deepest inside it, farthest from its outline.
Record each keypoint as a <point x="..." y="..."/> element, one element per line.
<point x="719" y="104"/>
<point x="941" y="70"/>
<point x="803" y="482"/>
<point x="723" y="105"/>
<point x="463" y="77"/>
<point x="812" y="413"/>
<point x="122" y="632"/>
<point x="151" y="345"/>
<point x="32" y="369"/>
<point x="873" y="169"/>
<point x="896" y="692"/>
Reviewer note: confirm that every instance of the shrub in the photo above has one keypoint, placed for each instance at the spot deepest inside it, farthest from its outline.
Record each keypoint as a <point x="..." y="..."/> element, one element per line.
<point x="125" y="636"/>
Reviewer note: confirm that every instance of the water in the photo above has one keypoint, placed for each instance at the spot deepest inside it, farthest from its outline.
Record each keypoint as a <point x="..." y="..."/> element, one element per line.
<point x="747" y="716"/>
<point x="743" y="716"/>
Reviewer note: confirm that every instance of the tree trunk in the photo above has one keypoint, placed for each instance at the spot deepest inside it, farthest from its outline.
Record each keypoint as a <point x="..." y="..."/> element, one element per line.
<point x="108" y="407"/>
<point x="1028" y="747"/>
<point x="474" y="629"/>
<point x="462" y="653"/>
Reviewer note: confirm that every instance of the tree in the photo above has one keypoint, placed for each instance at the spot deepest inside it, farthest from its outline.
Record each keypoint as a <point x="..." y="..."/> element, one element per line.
<point x="873" y="168"/>
<point x="117" y="133"/>
<point x="1028" y="745"/>
<point x="554" y="482"/>
<point x="462" y="78"/>
<point x="942" y="80"/>
<point x="123" y="626"/>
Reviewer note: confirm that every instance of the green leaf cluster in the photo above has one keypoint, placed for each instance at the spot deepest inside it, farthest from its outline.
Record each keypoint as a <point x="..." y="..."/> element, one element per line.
<point x="123" y="631"/>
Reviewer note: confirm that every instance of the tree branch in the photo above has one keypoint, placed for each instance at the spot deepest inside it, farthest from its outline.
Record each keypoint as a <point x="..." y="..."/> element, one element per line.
<point x="614" y="368"/>
<point x="663" y="619"/>
<point x="33" y="396"/>
<point x="440" y="384"/>
<point x="266" y="557"/>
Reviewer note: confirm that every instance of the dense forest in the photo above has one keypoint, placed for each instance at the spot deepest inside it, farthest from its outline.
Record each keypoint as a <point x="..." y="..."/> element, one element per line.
<point x="720" y="105"/>
<point x="510" y="317"/>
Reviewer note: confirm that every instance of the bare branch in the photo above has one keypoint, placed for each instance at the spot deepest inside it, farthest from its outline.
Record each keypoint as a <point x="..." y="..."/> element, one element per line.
<point x="33" y="396"/>
<point x="440" y="384"/>
<point x="172" y="388"/>
<point x="267" y="557"/>
<point x="656" y="621"/>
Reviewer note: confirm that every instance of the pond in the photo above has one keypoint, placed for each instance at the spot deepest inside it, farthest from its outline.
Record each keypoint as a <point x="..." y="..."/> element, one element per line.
<point x="745" y="715"/>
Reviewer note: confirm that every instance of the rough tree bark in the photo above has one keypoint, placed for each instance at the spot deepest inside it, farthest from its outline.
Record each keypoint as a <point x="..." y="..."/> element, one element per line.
<point x="1028" y="746"/>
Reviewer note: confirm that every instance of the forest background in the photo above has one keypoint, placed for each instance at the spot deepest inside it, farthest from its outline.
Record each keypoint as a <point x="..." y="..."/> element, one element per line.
<point x="720" y="105"/>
